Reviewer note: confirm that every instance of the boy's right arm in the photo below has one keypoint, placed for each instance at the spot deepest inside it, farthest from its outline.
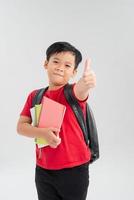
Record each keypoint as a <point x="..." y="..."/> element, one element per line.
<point x="25" y="128"/>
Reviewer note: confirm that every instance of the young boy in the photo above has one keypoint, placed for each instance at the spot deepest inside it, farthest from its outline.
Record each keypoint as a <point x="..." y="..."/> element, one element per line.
<point x="62" y="170"/>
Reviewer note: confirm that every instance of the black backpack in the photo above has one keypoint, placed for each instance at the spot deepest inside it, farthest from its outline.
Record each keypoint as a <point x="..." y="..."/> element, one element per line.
<point x="88" y="126"/>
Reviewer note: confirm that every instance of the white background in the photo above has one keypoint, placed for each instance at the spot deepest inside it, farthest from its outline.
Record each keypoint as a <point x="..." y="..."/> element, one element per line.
<point x="102" y="30"/>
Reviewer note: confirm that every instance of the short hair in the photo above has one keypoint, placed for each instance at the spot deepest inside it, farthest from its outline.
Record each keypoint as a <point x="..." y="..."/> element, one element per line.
<point x="58" y="47"/>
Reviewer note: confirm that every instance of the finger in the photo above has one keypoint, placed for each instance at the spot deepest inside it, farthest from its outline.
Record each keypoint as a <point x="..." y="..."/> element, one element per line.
<point x="87" y="67"/>
<point x="59" y="141"/>
<point x="53" y="146"/>
<point x="55" y="142"/>
<point x="55" y="129"/>
<point x="56" y="132"/>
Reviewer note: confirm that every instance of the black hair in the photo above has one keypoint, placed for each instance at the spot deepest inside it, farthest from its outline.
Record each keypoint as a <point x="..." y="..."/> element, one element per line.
<point x="58" y="47"/>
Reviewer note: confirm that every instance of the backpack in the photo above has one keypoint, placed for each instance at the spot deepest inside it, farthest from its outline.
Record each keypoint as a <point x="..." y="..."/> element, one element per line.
<point x="87" y="125"/>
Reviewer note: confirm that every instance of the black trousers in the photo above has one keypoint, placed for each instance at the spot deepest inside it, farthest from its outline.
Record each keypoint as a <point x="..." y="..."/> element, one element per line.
<point x="65" y="184"/>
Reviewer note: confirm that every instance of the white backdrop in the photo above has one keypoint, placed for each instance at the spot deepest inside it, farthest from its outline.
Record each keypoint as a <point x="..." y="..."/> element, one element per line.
<point x="102" y="30"/>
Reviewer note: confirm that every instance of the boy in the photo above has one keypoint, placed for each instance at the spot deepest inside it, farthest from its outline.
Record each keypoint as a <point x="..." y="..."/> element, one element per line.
<point x="62" y="170"/>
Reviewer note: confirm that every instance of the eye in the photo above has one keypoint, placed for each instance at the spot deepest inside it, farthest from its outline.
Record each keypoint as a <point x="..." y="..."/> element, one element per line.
<point x="68" y="66"/>
<point x="55" y="61"/>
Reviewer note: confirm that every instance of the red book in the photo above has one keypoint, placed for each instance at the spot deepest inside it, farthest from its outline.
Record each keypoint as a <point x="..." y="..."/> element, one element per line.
<point x="52" y="114"/>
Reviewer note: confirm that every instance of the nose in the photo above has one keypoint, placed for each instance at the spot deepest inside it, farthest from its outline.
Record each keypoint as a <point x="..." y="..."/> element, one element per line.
<point x="60" y="67"/>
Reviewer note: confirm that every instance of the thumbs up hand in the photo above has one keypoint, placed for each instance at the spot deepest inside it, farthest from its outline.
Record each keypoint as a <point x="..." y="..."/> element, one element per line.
<point x="86" y="82"/>
<point x="88" y="79"/>
<point x="87" y="67"/>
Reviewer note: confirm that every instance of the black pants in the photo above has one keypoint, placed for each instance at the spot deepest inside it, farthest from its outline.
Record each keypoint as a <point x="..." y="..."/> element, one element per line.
<point x="65" y="184"/>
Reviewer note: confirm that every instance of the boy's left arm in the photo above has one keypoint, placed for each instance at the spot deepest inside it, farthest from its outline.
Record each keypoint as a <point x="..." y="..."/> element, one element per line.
<point x="86" y="83"/>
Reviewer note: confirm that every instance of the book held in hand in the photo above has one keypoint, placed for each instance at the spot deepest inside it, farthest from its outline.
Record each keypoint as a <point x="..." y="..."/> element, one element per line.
<point x="52" y="113"/>
<point x="48" y="114"/>
<point x="35" y="114"/>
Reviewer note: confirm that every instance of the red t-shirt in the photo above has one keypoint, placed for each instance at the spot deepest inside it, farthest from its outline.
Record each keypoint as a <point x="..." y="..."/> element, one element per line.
<point x="72" y="151"/>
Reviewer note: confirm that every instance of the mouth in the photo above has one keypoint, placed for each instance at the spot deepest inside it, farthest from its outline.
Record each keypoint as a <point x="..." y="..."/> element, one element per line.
<point x="58" y="74"/>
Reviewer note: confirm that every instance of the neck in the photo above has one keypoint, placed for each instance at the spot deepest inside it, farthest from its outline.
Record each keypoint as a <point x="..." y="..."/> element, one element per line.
<point x="54" y="87"/>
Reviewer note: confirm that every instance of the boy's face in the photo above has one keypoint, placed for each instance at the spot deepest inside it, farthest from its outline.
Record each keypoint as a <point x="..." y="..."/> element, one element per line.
<point x="60" y="68"/>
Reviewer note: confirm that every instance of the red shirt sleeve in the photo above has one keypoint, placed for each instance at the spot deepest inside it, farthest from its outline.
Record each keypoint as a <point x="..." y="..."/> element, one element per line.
<point x="28" y="104"/>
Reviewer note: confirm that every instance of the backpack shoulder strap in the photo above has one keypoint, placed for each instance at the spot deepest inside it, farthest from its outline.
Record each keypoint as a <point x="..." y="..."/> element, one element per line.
<point x="88" y="126"/>
<point x="38" y="96"/>
<point x="76" y="109"/>
<point x="92" y="134"/>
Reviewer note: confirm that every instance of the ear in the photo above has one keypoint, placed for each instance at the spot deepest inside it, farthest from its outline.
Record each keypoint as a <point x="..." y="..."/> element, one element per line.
<point x="45" y="64"/>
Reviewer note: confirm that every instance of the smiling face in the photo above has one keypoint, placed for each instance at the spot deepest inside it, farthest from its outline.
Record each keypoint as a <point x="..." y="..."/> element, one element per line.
<point x="60" y="69"/>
